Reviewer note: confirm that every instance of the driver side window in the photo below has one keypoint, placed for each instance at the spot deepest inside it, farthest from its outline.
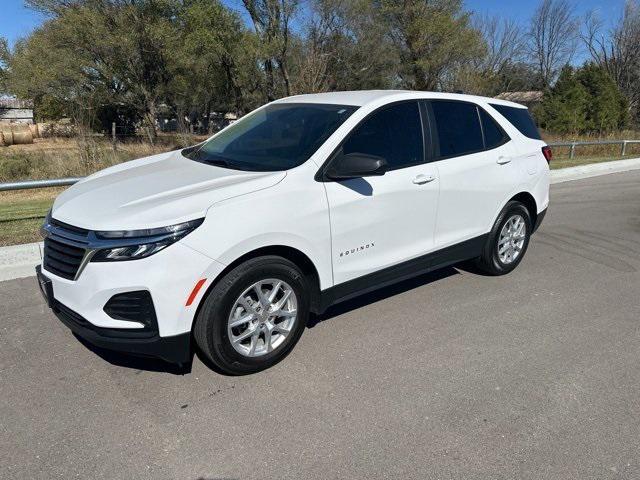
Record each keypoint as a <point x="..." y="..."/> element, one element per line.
<point x="393" y="132"/>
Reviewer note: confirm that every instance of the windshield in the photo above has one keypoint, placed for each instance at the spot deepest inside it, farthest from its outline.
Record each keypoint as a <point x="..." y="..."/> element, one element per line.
<point x="277" y="137"/>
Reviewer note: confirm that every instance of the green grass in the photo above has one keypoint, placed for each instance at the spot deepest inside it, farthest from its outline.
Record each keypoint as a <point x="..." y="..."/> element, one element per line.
<point x="22" y="213"/>
<point x="566" y="162"/>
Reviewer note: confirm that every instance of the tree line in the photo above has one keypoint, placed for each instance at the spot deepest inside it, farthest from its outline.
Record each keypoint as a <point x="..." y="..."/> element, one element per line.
<point x="123" y="61"/>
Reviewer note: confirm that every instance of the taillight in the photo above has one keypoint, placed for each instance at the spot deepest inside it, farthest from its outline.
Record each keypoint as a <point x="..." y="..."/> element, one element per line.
<point x="548" y="154"/>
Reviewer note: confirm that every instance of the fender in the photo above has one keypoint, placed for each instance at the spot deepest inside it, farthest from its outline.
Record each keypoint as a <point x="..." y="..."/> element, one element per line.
<point x="282" y="239"/>
<point x="523" y="188"/>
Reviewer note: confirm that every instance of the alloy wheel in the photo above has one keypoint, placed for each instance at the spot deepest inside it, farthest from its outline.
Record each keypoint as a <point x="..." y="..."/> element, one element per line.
<point x="511" y="239"/>
<point x="262" y="317"/>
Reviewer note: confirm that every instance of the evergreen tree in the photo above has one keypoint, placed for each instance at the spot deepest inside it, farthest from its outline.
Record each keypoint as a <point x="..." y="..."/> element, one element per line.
<point x="606" y="107"/>
<point x="564" y="109"/>
<point x="585" y="100"/>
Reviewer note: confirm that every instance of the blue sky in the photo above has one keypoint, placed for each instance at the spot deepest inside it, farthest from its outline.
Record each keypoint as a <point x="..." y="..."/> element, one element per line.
<point x="17" y="21"/>
<point x="522" y="10"/>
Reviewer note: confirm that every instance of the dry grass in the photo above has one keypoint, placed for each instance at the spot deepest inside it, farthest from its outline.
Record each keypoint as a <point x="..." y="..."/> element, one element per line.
<point x="22" y="211"/>
<point x="57" y="158"/>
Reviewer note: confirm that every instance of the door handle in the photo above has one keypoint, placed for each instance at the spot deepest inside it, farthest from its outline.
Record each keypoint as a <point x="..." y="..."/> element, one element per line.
<point x="502" y="160"/>
<point x="422" y="179"/>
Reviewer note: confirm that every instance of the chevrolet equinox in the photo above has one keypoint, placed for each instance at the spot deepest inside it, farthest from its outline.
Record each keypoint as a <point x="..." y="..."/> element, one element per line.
<point x="304" y="202"/>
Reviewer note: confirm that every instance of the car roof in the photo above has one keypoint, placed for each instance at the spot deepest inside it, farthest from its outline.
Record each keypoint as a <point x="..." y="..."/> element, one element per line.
<point x="363" y="97"/>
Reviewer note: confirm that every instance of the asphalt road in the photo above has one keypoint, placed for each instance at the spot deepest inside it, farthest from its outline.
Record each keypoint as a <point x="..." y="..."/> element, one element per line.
<point x="453" y="375"/>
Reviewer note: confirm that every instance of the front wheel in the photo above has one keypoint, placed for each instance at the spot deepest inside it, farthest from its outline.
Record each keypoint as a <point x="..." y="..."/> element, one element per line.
<point x="254" y="316"/>
<point x="507" y="241"/>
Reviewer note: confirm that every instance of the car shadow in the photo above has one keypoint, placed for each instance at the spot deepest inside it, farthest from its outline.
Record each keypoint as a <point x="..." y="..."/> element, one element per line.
<point x="470" y="266"/>
<point x="134" y="362"/>
<point x="358" y="185"/>
<point x="141" y="364"/>
<point x="381" y="294"/>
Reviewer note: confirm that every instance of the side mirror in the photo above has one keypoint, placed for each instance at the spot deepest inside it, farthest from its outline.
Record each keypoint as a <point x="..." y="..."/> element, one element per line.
<point x="356" y="165"/>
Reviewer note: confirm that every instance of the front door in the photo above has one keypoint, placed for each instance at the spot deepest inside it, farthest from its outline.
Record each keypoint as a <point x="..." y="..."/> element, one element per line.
<point x="378" y="222"/>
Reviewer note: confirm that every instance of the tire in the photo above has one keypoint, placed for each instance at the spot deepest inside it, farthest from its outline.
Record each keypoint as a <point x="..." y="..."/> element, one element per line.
<point x="494" y="260"/>
<point x="235" y="298"/>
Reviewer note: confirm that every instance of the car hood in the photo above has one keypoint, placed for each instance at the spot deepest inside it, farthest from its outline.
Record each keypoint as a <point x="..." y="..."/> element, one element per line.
<point x="153" y="192"/>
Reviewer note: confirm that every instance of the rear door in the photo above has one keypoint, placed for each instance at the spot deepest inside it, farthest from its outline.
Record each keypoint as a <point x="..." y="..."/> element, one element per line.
<point x="474" y="159"/>
<point x="377" y="222"/>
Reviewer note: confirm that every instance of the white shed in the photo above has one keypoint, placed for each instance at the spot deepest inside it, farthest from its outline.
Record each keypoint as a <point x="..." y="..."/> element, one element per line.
<point x="15" y="110"/>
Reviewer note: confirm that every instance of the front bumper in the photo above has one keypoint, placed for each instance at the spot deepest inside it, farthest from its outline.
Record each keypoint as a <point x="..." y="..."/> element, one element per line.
<point x="175" y="349"/>
<point x="145" y="342"/>
<point x="169" y="276"/>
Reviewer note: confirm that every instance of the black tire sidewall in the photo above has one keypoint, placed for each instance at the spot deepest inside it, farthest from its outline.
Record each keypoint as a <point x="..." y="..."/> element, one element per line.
<point x="221" y="299"/>
<point x="510" y="209"/>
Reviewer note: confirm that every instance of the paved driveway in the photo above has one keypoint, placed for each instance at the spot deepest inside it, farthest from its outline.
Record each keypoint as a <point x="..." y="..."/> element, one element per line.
<point x="453" y="375"/>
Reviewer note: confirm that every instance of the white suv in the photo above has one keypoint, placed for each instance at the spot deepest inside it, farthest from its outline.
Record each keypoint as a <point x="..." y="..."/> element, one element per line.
<point x="302" y="203"/>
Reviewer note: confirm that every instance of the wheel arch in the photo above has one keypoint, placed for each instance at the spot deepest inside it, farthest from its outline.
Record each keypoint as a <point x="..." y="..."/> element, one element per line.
<point x="529" y="202"/>
<point x="292" y="254"/>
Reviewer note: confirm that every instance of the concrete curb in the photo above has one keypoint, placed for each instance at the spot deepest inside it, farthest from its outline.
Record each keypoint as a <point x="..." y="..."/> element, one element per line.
<point x="18" y="261"/>
<point x="594" y="170"/>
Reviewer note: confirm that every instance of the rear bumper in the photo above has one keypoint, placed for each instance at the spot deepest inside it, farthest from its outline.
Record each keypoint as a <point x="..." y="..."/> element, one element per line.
<point x="174" y="349"/>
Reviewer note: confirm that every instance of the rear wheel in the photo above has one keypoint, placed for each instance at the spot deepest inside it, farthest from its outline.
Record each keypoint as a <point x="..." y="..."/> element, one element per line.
<point x="507" y="241"/>
<point x="254" y="316"/>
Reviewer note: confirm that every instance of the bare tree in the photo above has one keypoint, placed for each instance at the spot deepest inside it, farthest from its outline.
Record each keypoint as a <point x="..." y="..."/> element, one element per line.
<point x="504" y="41"/>
<point x="493" y="71"/>
<point x="344" y="47"/>
<point x="616" y="50"/>
<point x="4" y="58"/>
<point x="318" y="49"/>
<point x="552" y="38"/>
<point x="271" y="20"/>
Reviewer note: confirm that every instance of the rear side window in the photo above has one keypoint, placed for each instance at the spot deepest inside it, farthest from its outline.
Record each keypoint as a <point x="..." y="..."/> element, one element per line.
<point x="494" y="136"/>
<point x="519" y="118"/>
<point x="458" y="128"/>
<point x="394" y="133"/>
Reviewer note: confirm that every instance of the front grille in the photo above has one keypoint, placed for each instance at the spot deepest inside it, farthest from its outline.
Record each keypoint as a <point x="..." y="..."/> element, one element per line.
<point x="62" y="259"/>
<point x="63" y="249"/>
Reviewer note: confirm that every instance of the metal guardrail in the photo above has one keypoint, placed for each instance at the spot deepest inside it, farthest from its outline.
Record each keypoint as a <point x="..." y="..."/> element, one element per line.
<point x="58" y="182"/>
<point x="572" y="145"/>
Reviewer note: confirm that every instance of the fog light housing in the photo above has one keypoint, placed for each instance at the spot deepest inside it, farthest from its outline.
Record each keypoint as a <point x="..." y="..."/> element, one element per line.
<point x="135" y="306"/>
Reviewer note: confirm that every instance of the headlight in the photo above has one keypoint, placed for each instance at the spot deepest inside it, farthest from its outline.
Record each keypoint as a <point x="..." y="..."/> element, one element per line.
<point x="136" y="244"/>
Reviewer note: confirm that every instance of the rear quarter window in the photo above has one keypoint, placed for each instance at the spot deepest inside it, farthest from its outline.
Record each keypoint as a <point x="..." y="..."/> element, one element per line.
<point x="519" y="118"/>
<point x="494" y="136"/>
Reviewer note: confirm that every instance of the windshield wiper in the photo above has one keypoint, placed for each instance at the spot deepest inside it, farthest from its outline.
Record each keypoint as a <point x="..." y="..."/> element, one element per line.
<point x="223" y="162"/>
<point x="218" y="162"/>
